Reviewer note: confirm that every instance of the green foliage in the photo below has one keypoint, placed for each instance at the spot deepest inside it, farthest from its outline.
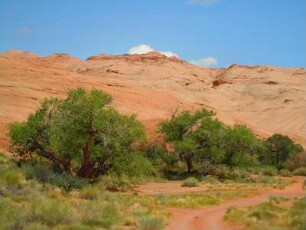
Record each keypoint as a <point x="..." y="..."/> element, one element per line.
<point x="180" y="131"/>
<point x="151" y="223"/>
<point x="285" y="173"/>
<point x="299" y="171"/>
<point x="67" y="182"/>
<point x="204" y="141"/>
<point x="36" y="226"/>
<point x="101" y="136"/>
<point x="51" y="212"/>
<point x="190" y="182"/>
<point x="278" y="213"/>
<point x="269" y="171"/>
<point x="280" y="149"/>
<point x="115" y="183"/>
<point x="296" y="161"/>
<point x="12" y="178"/>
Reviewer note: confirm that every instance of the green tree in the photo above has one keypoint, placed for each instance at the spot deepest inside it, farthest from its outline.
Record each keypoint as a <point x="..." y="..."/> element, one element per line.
<point x="179" y="130"/>
<point x="81" y="134"/>
<point x="200" y="137"/>
<point x="280" y="148"/>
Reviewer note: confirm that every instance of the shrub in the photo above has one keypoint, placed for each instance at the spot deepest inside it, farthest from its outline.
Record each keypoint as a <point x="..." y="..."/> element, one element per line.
<point x="36" y="226"/>
<point x="285" y="173"/>
<point x="296" y="161"/>
<point x="151" y="223"/>
<point x="67" y="182"/>
<point x="221" y="171"/>
<point x="299" y="171"/>
<point x="210" y="180"/>
<point x="12" y="178"/>
<point x="115" y="183"/>
<point x="269" y="171"/>
<point x="190" y="182"/>
<point x="11" y="216"/>
<point x="266" y="179"/>
<point x="74" y="227"/>
<point x="39" y="171"/>
<point x="51" y="212"/>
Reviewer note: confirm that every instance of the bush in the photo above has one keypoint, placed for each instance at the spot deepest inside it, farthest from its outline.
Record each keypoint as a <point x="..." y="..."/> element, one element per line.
<point x="39" y="171"/>
<point x="151" y="223"/>
<point x="190" y="182"/>
<point x="51" y="212"/>
<point x="12" y="178"/>
<point x="296" y="161"/>
<point x="11" y="216"/>
<point x="115" y="183"/>
<point x="36" y="226"/>
<point x="299" y="171"/>
<point x="266" y="180"/>
<point x="285" y="173"/>
<point x="67" y="182"/>
<point x="221" y="171"/>
<point x="269" y="171"/>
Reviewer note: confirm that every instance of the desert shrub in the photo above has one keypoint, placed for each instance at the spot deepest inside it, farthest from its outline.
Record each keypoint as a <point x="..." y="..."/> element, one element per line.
<point x="190" y="182"/>
<point x="12" y="178"/>
<point x="221" y="171"/>
<point x="269" y="171"/>
<point x="11" y="216"/>
<point x="285" y="173"/>
<point x="210" y="180"/>
<point x="296" y="161"/>
<point x="67" y="182"/>
<point x="51" y="212"/>
<point x="266" y="180"/>
<point x="151" y="223"/>
<point x="115" y="183"/>
<point x="74" y="227"/>
<point x="36" y="226"/>
<point x="98" y="213"/>
<point x="299" y="171"/>
<point x="136" y="165"/>
<point x="90" y="192"/>
<point x="39" y="171"/>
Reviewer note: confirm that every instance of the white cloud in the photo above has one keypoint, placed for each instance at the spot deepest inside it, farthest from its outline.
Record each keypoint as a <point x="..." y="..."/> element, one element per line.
<point x="205" y="62"/>
<point x="141" y="49"/>
<point x="24" y="30"/>
<point x="144" y="49"/>
<point x="168" y="53"/>
<point x="203" y="2"/>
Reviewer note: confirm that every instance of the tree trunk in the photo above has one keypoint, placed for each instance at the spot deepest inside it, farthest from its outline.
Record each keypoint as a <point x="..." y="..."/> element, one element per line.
<point x="85" y="170"/>
<point x="64" y="163"/>
<point x="189" y="164"/>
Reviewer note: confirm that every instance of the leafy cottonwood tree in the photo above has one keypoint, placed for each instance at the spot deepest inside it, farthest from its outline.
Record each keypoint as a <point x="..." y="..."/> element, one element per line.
<point x="198" y="136"/>
<point x="180" y="131"/>
<point x="81" y="134"/>
<point x="280" y="149"/>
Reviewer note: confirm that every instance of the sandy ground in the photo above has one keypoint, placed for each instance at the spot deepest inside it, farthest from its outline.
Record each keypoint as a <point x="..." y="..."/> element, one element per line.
<point x="211" y="218"/>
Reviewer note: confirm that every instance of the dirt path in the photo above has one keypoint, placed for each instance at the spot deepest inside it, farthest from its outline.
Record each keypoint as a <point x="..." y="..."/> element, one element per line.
<point x="211" y="218"/>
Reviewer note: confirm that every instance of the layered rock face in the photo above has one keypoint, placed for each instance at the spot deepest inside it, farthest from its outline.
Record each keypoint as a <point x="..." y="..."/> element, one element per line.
<point x="267" y="99"/>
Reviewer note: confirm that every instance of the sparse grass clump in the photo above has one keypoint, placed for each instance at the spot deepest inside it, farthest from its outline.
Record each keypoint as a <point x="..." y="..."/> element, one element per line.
<point x="190" y="182"/>
<point x="269" y="171"/>
<point x="51" y="212"/>
<point x="277" y="213"/>
<point x="151" y="223"/>
<point x="299" y="171"/>
<point x="285" y="173"/>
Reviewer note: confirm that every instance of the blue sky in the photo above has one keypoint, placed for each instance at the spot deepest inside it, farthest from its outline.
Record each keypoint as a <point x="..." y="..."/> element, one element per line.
<point x="209" y="32"/>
